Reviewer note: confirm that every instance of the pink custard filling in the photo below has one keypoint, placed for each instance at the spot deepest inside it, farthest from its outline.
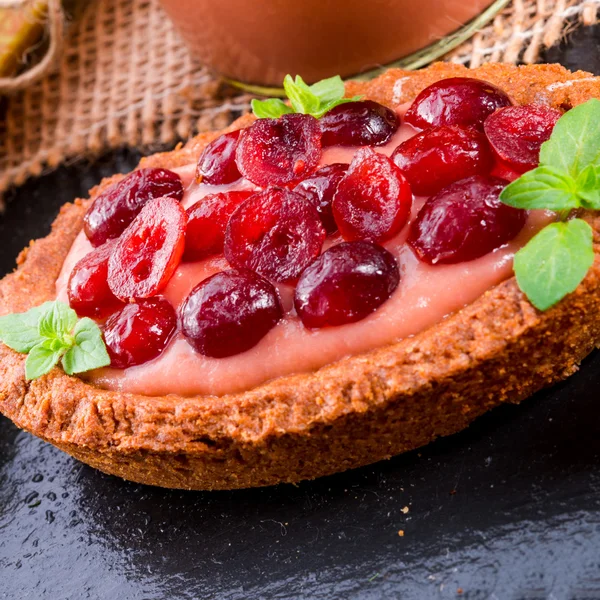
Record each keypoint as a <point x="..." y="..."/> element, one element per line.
<point x="425" y="296"/>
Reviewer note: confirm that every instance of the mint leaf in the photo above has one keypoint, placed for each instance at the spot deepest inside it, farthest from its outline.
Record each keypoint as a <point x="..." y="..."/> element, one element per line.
<point x="328" y="106"/>
<point x="544" y="187"/>
<point x="20" y="331"/>
<point x="306" y="99"/>
<point x="41" y="360"/>
<point x="301" y="97"/>
<point x="51" y="331"/>
<point x="270" y="109"/>
<point x="588" y="187"/>
<point x="89" y="351"/>
<point x="574" y="143"/>
<point x="57" y="322"/>
<point x="554" y="262"/>
<point x="328" y="90"/>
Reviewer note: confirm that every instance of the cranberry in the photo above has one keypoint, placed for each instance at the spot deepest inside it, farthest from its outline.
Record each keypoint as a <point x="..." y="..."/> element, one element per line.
<point x="279" y="151"/>
<point x="363" y="123"/>
<point x="319" y="189"/>
<point x="517" y="133"/>
<point x="139" y="332"/>
<point x="207" y="220"/>
<point x="217" y="162"/>
<point x="229" y="313"/>
<point x="456" y="101"/>
<point x="276" y="233"/>
<point x="465" y="221"/>
<point x="88" y="291"/>
<point x="439" y="156"/>
<point x="373" y="200"/>
<point x="148" y="251"/>
<point x="345" y="284"/>
<point x="115" y="208"/>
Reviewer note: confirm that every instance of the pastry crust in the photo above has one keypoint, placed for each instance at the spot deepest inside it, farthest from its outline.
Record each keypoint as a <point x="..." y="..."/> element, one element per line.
<point x="351" y="413"/>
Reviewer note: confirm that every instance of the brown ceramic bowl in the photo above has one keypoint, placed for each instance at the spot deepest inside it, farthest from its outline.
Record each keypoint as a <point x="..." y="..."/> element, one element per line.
<point x="259" y="42"/>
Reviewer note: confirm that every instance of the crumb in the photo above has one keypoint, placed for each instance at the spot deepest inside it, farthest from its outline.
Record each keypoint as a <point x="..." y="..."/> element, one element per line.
<point x="459" y="591"/>
<point x="452" y="492"/>
<point x="401" y="533"/>
<point x="405" y="509"/>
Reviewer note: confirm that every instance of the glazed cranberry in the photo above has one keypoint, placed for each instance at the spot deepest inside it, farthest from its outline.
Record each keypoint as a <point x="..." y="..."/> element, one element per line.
<point x="279" y="151"/>
<point x="439" y="156"/>
<point x="88" y="291"/>
<point x="505" y="172"/>
<point x="217" y="163"/>
<point x="319" y="189"/>
<point x="345" y="284"/>
<point x="115" y="208"/>
<point x="139" y="332"/>
<point x="517" y="133"/>
<point x="276" y="233"/>
<point x="148" y="251"/>
<point x="362" y="123"/>
<point x="229" y="313"/>
<point x="464" y="221"/>
<point x="456" y="101"/>
<point x="373" y="200"/>
<point x="207" y="220"/>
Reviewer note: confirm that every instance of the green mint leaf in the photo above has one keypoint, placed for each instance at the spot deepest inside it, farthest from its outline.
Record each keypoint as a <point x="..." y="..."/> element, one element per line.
<point x="58" y="322"/>
<point x="328" y="90"/>
<point x="306" y="99"/>
<point x="300" y="95"/>
<point x="574" y="142"/>
<point x="329" y="105"/>
<point x="40" y="360"/>
<point x="554" y="262"/>
<point x="544" y="187"/>
<point x="89" y="351"/>
<point x="51" y="331"/>
<point x="20" y="331"/>
<point x="588" y="187"/>
<point x="270" y="109"/>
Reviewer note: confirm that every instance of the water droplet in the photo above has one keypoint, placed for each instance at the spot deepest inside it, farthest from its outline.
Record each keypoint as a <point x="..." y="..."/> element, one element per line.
<point x="31" y="497"/>
<point x="49" y="516"/>
<point x="37" y="478"/>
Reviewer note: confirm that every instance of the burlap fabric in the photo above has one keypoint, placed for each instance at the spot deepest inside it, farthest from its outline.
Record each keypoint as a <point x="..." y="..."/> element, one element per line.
<point x="125" y="78"/>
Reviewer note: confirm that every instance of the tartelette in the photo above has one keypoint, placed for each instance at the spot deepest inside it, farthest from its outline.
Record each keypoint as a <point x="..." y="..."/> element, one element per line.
<point x="307" y="293"/>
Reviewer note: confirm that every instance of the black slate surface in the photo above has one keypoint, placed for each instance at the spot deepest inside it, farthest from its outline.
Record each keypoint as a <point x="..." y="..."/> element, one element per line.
<point x="509" y="508"/>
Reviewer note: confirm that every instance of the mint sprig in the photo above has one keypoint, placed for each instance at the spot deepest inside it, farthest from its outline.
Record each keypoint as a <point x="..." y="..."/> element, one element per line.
<point x="557" y="259"/>
<point x="306" y="99"/>
<point x="52" y="333"/>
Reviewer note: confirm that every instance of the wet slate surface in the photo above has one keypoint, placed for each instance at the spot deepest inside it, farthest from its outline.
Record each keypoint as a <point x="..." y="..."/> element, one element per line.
<point x="509" y="508"/>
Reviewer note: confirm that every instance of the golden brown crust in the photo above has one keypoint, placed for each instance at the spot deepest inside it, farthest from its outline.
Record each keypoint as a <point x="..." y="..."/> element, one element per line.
<point x="353" y="412"/>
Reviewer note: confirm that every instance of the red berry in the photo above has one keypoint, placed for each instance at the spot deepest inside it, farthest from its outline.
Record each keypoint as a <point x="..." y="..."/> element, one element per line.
<point x="517" y="133"/>
<point x="148" y="251"/>
<point x="439" y="156"/>
<point x="456" y="101"/>
<point x="139" y="332"/>
<point x="363" y="123"/>
<point x="319" y="189"/>
<point x="207" y="220"/>
<point x="345" y="284"/>
<point x="373" y="200"/>
<point x="229" y="313"/>
<point x="279" y="151"/>
<point x="464" y="221"/>
<point x="88" y="291"/>
<point x="217" y="162"/>
<point x="115" y="208"/>
<point x="276" y="233"/>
